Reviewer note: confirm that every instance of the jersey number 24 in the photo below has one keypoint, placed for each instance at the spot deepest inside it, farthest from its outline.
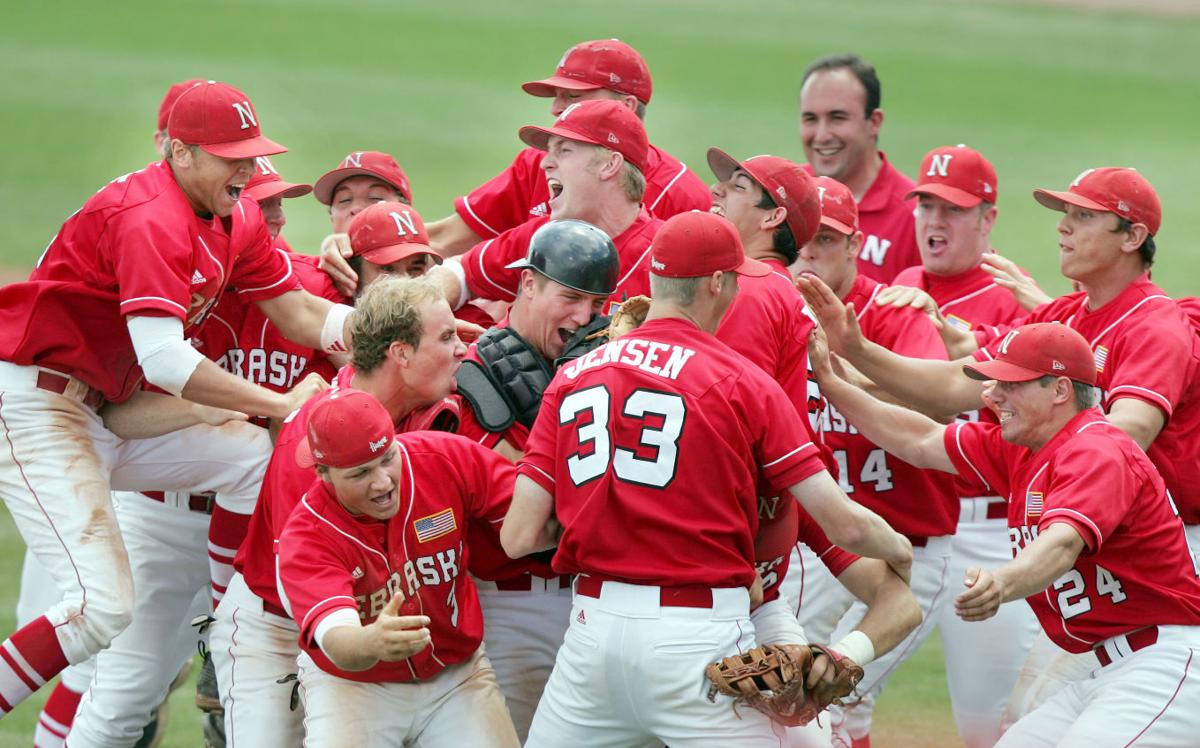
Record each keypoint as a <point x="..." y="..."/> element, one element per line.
<point x="661" y="415"/>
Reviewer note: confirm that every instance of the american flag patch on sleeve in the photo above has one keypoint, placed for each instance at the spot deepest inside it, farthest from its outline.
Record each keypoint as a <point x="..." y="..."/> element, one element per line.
<point x="435" y="525"/>
<point x="1033" y="504"/>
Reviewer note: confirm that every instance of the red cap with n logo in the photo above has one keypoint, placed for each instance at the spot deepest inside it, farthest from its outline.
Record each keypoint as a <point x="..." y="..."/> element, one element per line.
<point x="957" y="174"/>
<point x="220" y="119"/>
<point x="1032" y="351"/>
<point x="266" y="183"/>
<point x="388" y="232"/>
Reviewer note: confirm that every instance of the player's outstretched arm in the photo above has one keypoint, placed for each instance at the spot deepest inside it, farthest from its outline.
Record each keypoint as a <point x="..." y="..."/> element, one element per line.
<point x="934" y="387"/>
<point x="389" y="638"/>
<point x="850" y="525"/>
<point x="310" y="320"/>
<point x="212" y="385"/>
<point x="451" y="235"/>
<point x="910" y="436"/>
<point x="149" y="414"/>
<point x="1138" y="418"/>
<point x="892" y="611"/>
<point x="1034" y="569"/>
<point x="529" y="526"/>
<point x="335" y="251"/>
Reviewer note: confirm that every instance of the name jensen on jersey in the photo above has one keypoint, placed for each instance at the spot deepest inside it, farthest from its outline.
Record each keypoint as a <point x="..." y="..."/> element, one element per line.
<point x="438" y="568"/>
<point x="646" y="355"/>
<point x="278" y="368"/>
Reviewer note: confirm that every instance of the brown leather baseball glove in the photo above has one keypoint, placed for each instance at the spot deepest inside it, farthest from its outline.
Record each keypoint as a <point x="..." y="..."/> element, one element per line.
<point x="628" y="317"/>
<point x="771" y="679"/>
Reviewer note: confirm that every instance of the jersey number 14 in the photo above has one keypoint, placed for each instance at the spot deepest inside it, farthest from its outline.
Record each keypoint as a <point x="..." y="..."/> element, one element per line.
<point x="661" y="415"/>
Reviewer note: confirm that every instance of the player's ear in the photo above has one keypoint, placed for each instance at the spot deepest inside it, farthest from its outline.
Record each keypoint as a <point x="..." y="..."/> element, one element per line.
<point x="773" y="219"/>
<point x="855" y="243"/>
<point x="400" y="353"/>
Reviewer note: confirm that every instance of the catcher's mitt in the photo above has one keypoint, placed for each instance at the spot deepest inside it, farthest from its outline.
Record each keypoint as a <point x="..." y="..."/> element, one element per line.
<point x="628" y="317"/>
<point x="771" y="678"/>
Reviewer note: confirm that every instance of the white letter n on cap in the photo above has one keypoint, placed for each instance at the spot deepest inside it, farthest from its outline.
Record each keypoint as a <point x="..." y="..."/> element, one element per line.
<point x="939" y="164"/>
<point x="246" y="114"/>
<point x="403" y="222"/>
<point x="1007" y="340"/>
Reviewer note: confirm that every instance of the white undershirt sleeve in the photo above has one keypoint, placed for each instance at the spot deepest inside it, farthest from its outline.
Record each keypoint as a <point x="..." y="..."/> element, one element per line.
<point x="167" y="360"/>
<point x="454" y="265"/>
<point x="336" y="619"/>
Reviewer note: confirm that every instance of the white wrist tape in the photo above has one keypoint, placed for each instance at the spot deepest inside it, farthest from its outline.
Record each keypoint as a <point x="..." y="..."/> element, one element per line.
<point x="454" y="266"/>
<point x="336" y="619"/>
<point x="167" y="360"/>
<point x="333" y="333"/>
<point x="857" y="646"/>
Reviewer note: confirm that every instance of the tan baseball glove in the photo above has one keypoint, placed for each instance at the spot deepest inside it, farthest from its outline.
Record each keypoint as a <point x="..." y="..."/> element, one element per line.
<point x="628" y="317"/>
<point x="771" y="679"/>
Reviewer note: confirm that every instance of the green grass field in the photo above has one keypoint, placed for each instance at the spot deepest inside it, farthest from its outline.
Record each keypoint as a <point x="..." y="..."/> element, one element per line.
<point x="1043" y="91"/>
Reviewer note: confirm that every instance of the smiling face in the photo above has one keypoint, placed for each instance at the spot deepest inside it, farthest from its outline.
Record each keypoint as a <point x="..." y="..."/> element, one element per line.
<point x="950" y="238"/>
<point x="211" y="184"/>
<point x="354" y="194"/>
<point x="370" y="489"/>
<point x="1027" y="409"/>
<point x="736" y="199"/>
<point x="838" y="137"/>
<point x="551" y="312"/>
<point x="571" y="174"/>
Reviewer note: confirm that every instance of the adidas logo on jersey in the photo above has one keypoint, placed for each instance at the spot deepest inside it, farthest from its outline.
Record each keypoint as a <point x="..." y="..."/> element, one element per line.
<point x="198" y="278"/>
<point x="357" y="573"/>
<point x="539" y="210"/>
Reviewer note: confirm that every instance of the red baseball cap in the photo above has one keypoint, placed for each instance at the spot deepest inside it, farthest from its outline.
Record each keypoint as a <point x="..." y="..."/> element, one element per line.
<point x="348" y="428"/>
<point x="698" y="243"/>
<point x="786" y="182"/>
<point x="164" y="109"/>
<point x="1032" y="351"/>
<point x="266" y="183"/>
<point x="388" y="232"/>
<point x="376" y="164"/>
<point x="957" y="174"/>
<point x="602" y="122"/>
<point x="838" y="209"/>
<point x="602" y="63"/>
<point x="219" y="118"/>
<point x="1112" y="190"/>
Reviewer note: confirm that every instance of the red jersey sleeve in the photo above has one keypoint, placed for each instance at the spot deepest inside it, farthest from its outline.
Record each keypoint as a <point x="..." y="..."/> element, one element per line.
<point x="978" y="453"/>
<point x="152" y="257"/>
<point x="1085" y="463"/>
<point x="537" y="463"/>
<point x="1151" y="361"/>
<point x="261" y="271"/>
<point x="783" y="447"/>
<point x="487" y="478"/>
<point x="313" y="576"/>
<point x="502" y="202"/>
<point x="485" y="265"/>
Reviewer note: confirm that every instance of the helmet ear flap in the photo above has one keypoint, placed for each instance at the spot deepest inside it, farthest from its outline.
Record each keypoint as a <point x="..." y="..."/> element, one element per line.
<point x="575" y="254"/>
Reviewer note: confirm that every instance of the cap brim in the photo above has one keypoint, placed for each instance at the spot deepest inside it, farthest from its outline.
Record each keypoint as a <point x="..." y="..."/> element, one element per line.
<point x="545" y="87"/>
<point x="304" y="455"/>
<point x="1059" y="201"/>
<point x="1000" y="371"/>
<point x="836" y="225"/>
<point x="950" y="194"/>
<point x="324" y="187"/>
<point x="753" y="268"/>
<point x="268" y="190"/>
<point x="722" y="164"/>
<point x="248" y="148"/>
<point x="539" y="137"/>
<point x="396" y="252"/>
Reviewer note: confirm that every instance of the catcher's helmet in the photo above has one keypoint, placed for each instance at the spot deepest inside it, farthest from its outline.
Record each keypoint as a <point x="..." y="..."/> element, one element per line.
<point x="576" y="254"/>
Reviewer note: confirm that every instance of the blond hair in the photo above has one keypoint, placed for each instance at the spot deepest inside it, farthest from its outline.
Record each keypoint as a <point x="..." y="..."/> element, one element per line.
<point x="387" y="313"/>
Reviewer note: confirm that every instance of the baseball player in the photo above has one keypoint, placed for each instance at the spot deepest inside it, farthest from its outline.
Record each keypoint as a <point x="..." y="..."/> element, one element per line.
<point x="956" y="195"/>
<point x="269" y="190"/>
<point x="121" y="285"/>
<point x="405" y="352"/>
<point x="1107" y="572"/>
<point x="596" y="158"/>
<point x="600" y="69"/>
<point x="570" y="271"/>
<point x="840" y="120"/>
<point x="164" y="112"/>
<point x="372" y="564"/>
<point x="665" y="554"/>
<point x="920" y="504"/>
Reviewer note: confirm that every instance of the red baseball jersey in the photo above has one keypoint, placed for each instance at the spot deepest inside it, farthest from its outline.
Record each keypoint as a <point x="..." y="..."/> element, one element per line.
<point x="135" y="248"/>
<point x="488" y="277"/>
<point x="331" y="560"/>
<point x="654" y="447"/>
<point x="1136" y="568"/>
<point x="519" y="193"/>
<point x="769" y="324"/>
<point x="1145" y="348"/>
<point x="915" y="502"/>
<point x="781" y="524"/>
<point x="969" y="301"/>
<point x="242" y="340"/>
<point x="889" y="229"/>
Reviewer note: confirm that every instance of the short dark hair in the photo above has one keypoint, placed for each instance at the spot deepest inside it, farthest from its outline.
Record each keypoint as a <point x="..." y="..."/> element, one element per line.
<point x="863" y="70"/>
<point x="782" y="240"/>
<point x="1146" y="250"/>
<point x="1084" y="393"/>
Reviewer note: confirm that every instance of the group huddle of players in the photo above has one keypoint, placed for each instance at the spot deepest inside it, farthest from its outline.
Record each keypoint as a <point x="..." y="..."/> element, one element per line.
<point x="421" y="490"/>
